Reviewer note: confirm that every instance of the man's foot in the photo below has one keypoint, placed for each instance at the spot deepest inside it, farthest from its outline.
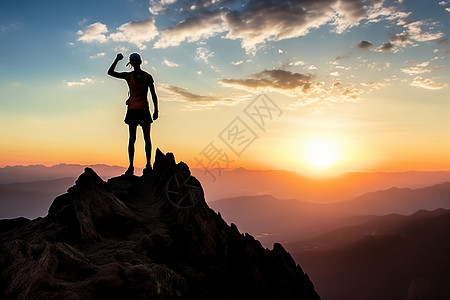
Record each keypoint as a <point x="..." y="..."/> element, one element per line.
<point x="147" y="170"/>
<point x="129" y="171"/>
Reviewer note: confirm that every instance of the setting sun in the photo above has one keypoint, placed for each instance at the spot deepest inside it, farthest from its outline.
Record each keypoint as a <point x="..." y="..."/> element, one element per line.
<point x="321" y="153"/>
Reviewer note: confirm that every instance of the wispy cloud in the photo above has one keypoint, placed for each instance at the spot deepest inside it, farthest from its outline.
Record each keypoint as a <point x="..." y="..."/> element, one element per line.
<point x="417" y="68"/>
<point x="81" y="82"/>
<point x="170" y="64"/>
<point x="184" y="95"/>
<point x="201" y="53"/>
<point x="100" y="54"/>
<point x="9" y="27"/>
<point x="412" y="34"/>
<point x="278" y="80"/>
<point x="427" y="83"/>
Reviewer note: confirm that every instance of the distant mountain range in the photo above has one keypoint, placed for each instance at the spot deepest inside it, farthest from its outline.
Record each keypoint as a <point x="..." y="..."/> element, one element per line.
<point x="13" y="174"/>
<point x="243" y="182"/>
<point x="31" y="199"/>
<point x="271" y="219"/>
<point x="292" y="185"/>
<point x="389" y="257"/>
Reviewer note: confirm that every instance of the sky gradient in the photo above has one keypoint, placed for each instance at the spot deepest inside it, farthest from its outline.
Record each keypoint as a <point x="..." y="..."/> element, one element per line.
<point x="367" y="80"/>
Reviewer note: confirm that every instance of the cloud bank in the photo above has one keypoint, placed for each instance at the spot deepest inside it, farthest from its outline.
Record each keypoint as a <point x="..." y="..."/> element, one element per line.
<point x="255" y="23"/>
<point x="301" y="86"/>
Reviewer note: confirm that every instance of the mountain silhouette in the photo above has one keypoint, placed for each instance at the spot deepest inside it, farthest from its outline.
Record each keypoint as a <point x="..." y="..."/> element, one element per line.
<point x="270" y="218"/>
<point x="31" y="199"/>
<point x="389" y="257"/>
<point x="151" y="237"/>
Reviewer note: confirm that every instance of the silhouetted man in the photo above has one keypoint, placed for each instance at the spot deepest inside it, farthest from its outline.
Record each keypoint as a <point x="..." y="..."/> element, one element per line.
<point x="138" y="112"/>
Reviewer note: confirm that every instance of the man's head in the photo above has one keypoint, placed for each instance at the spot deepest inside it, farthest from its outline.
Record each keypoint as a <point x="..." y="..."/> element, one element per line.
<point x="135" y="60"/>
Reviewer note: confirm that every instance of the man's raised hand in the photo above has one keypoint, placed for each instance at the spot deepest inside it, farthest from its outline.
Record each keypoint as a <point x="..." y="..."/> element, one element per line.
<point x="119" y="57"/>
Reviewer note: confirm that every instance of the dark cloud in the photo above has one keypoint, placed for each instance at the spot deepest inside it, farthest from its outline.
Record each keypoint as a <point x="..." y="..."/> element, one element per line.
<point x="184" y="95"/>
<point x="386" y="47"/>
<point x="256" y="22"/>
<point x="341" y="57"/>
<point x="365" y="45"/>
<point x="274" y="79"/>
<point x="442" y="41"/>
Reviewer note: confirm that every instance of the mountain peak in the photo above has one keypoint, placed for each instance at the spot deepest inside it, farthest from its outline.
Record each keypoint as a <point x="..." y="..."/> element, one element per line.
<point x="149" y="237"/>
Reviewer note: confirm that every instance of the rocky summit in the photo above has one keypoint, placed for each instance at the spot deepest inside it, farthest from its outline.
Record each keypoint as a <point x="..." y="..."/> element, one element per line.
<point x="149" y="237"/>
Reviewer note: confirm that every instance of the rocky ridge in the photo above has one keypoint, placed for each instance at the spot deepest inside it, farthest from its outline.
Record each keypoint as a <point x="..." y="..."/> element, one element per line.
<point x="150" y="237"/>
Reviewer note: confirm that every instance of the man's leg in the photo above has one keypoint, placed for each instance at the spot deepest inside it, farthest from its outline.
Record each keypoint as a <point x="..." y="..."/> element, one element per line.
<point x="148" y="144"/>
<point x="131" y="141"/>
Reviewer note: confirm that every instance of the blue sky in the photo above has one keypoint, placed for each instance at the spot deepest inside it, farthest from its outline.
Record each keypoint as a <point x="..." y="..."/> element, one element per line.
<point x="381" y="67"/>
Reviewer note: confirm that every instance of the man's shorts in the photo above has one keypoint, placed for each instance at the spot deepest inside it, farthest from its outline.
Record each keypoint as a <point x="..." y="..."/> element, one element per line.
<point x="138" y="117"/>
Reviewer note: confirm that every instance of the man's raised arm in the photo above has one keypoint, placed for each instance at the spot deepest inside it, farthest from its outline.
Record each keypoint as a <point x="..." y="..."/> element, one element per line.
<point x="111" y="70"/>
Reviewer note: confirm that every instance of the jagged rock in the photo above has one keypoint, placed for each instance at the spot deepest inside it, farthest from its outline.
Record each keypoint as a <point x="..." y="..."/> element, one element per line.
<point x="150" y="237"/>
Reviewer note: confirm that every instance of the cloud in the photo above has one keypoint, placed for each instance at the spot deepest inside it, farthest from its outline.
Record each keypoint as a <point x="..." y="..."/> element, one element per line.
<point x="160" y="5"/>
<point x="237" y="63"/>
<point x="442" y="41"/>
<point x="170" y="64"/>
<point x="182" y="94"/>
<point x="101" y="54"/>
<point x="93" y="33"/>
<point x="416" y="33"/>
<point x="348" y="14"/>
<point x="341" y="57"/>
<point x="427" y="83"/>
<point x="9" y="27"/>
<point x="298" y="86"/>
<point x="204" y="25"/>
<point x="374" y="84"/>
<point x="297" y="63"/>
<point x="418" y="68"/>
<point x="378" y="66"/>
<point x="257" y="22"/>
<point x="385" y="47"/>
<point x="81" y="82"/>
<point x="262" y="21"/>
<point x="413" y="33"/>
<point x="277" y="80"/>
<point x="365" y="45"/>
<point x="203" y="54"/>
<point x="137" y="32"/>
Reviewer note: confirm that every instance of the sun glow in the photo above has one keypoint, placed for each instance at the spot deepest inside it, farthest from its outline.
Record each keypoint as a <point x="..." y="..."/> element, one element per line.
<point x="321" y="153"/>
